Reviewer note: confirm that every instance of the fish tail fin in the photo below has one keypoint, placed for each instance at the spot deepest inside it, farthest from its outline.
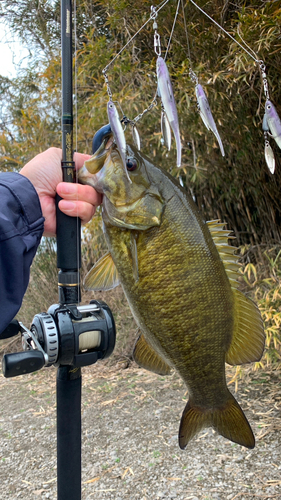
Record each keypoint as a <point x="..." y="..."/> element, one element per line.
<point x="228" y="420"/>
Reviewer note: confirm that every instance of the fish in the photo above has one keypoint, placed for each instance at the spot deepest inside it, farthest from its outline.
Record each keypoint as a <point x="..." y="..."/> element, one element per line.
<point x="166" y="130"/>
<point x="118" y="132"/>
<point x="179" y="275"/>
<point x="206" y="114"/>
<point x="273" y="122"/>
<point x="165" y="91"/>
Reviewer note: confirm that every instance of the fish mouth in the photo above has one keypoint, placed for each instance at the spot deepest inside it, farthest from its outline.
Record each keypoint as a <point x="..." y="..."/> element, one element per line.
<point x="97" y="161"/>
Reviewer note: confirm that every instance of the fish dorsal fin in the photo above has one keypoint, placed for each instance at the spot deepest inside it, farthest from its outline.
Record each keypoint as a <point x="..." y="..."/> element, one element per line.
<point x="147" y="358"/>
<point x="227" y="253"/>
<point x="103" y="275"/>
<point x="248" y="338"/>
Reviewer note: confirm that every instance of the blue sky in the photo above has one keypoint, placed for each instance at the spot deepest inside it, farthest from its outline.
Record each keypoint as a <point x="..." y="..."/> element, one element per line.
<point x="12" y="53"/>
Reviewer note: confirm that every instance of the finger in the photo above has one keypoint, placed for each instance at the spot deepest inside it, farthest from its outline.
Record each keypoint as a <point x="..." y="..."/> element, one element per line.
<point x="79" y="159"/>
<point x="81" y="209"/>
<point x="80" y="192"/>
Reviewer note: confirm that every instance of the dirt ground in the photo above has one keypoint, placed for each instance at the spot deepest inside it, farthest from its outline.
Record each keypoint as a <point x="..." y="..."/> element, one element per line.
<point x="130" y="448"/>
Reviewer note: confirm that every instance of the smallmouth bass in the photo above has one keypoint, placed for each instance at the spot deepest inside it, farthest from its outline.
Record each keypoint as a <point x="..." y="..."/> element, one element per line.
<point x="179" y="276"/>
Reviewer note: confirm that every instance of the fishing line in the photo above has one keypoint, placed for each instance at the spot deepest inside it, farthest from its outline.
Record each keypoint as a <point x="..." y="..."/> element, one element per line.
<point x="226" y="32"/>
<point x="76" y="136"/>
<point x="152" y="16"/>
<point x="186" y="33"/>
<point x="172" y="32"/>
<point x="192" y="75"/>
<point x="125" y="120"/>
<point x="248" y="47"/>
<point x="75" y="78"/>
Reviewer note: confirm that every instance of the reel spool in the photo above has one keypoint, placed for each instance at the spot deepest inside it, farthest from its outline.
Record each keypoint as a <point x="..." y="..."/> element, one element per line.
<point x="65" y="335"/>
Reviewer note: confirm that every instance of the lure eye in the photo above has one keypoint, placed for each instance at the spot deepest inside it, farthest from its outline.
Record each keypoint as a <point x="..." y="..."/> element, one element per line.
<point x="131" y="164"/>
<point x="268" y="106"/>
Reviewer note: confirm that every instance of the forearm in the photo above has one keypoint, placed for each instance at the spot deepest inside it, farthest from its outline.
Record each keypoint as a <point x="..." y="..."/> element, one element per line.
<point x="21" y="228"/>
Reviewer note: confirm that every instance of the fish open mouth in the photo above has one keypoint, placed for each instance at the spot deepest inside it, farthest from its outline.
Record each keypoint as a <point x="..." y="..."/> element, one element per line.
<point x="97" y="161"/>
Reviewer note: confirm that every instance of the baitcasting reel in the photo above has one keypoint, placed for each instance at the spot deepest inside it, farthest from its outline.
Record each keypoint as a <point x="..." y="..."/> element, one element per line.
<point x="65" y="335"/>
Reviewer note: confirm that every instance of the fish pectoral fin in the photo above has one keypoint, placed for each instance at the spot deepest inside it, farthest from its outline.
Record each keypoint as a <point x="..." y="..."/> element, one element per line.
<point x="228" y="420"/>
<point x="248" y="338"/>
<point x="103" y="275"/>
<point x="147" y="358"/>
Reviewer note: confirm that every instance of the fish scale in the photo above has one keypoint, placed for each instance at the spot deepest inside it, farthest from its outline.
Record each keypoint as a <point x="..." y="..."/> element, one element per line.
<point x="190" y="313"/>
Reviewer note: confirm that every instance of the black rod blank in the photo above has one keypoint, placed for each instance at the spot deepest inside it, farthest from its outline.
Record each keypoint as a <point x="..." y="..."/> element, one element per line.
<point x="68" y="228"/>
<point x="69" y="262"/>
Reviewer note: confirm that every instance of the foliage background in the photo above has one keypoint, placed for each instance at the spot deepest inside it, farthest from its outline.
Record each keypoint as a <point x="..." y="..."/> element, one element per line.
<point x="238" y="189"/>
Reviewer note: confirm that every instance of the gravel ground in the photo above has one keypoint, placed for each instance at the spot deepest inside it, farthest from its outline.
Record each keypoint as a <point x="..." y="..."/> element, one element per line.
<point x="130" y="449"/>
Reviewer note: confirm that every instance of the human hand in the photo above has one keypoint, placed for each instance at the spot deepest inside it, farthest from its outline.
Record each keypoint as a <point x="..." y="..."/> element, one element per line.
<point x="45" y="173"/>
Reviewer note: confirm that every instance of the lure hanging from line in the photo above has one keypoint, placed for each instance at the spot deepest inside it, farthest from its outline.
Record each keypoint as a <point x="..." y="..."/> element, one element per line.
<point x="118" y="132"/>
<point x="206" y="114"/>
<point x="169" y="114"/>
<point x="169" y="105"/>
<point x="272" y="122"/>
<point x="202" y="101"/>
<point x="271" y="126"/>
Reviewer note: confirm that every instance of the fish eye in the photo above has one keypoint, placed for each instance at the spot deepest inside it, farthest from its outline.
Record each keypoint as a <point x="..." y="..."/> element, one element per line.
<point x="268" y="106"/>
<point x="131" y="164"/>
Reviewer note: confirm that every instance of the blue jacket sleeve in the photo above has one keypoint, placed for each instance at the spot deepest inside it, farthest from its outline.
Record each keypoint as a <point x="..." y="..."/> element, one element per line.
<point x="21" y="228"/>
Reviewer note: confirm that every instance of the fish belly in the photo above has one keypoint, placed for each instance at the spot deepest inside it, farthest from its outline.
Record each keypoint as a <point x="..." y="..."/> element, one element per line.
<point x="182" y="300"/>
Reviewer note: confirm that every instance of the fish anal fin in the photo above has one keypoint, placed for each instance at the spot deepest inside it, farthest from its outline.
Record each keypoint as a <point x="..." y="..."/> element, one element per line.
<point x="248" y="338"/>
<point x="103" y="275"/>
<point x="228" y="420"/>
<point x="145" y="356"/>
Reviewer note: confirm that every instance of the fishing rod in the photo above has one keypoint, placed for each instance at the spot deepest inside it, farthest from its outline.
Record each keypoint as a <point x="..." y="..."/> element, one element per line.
<point x="69" y="336"/>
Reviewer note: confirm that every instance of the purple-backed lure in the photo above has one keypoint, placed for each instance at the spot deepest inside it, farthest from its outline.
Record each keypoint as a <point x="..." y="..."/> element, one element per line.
<point x="273" y="122"/>
<point x="206" y="114"/>
<point x="118" y="132"/>
<point x="165" y="91"/>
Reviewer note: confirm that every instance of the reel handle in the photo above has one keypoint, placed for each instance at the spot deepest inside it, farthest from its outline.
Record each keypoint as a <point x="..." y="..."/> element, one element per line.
<point x="19" y="363"/>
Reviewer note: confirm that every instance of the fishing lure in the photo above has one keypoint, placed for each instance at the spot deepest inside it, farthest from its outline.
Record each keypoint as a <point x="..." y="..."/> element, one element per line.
<point x="169" y="114"/>
<point x="118" y="132"/>
<point x="168" y="102"/>
<point x="202" y="101"/>
<point x="206" y="114"/>
<point x="271" y="124"/>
